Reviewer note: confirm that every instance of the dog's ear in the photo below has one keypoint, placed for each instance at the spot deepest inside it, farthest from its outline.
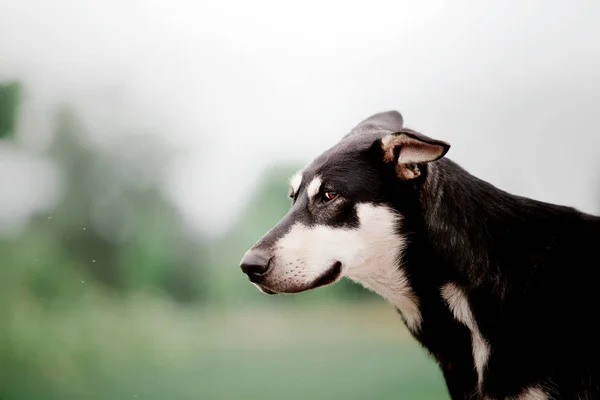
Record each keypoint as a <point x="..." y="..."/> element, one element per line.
<point x="409" y="149"/>
<point x="388" y="120"/>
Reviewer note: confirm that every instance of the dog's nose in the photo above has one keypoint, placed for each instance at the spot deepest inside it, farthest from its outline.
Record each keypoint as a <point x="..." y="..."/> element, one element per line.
<point x="255" y="263"/>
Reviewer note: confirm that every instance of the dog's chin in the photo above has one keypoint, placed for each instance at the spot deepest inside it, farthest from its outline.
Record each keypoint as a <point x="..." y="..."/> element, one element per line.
<point x="332" y="275"/>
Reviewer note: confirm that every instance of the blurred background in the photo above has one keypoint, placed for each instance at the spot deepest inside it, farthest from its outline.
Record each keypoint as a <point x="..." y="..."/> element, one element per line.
<point x="145" y="145"/>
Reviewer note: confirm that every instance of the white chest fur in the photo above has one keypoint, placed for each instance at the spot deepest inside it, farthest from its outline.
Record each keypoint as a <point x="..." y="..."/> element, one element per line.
<point x="459" y="306"/>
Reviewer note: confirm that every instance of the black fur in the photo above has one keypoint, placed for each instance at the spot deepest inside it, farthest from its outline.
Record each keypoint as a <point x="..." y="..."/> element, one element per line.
<point x="528" y="268"/>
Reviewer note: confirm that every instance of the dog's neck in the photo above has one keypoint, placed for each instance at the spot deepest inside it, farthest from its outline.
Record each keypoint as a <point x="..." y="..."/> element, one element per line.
<point x="461" y="214"/>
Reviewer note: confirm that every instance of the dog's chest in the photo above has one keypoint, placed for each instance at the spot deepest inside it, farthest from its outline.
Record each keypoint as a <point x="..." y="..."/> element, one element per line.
<point x="458" y="303"/>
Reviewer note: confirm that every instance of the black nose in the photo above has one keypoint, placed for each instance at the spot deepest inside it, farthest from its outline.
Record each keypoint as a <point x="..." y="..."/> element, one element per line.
<point x="255" y="263"/>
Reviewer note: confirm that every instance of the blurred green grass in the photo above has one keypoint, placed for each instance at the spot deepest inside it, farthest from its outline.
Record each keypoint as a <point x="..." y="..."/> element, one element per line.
<point x="147" y="348"/>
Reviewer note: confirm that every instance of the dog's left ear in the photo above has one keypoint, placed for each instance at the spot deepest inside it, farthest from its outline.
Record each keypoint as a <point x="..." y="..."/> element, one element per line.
<point x="409" y="149"/>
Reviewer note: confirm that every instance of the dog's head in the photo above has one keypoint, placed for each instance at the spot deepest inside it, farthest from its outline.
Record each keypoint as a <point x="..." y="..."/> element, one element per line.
<point x="346" y="214"/>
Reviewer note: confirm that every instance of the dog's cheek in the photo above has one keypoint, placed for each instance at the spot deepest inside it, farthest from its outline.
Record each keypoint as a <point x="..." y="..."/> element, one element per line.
<point x="341" y="215"/>
<point x="310" y="251"/>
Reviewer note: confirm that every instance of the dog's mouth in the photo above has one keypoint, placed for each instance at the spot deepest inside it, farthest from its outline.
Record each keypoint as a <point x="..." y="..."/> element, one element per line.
<point x="328" y="277"/>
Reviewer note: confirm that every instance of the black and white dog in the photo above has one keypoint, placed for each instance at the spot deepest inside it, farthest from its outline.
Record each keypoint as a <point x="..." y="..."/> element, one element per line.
<point x="500" y="289"/>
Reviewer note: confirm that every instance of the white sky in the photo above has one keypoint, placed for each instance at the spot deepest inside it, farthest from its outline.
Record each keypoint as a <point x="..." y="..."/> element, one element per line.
<point x="238" y="85"/>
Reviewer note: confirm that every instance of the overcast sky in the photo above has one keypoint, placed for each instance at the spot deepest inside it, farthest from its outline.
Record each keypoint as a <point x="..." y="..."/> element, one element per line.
<point x="513" y="86"/>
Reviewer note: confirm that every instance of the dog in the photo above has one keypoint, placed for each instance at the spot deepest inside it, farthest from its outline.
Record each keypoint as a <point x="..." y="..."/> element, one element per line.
<point x="500" y="289"/>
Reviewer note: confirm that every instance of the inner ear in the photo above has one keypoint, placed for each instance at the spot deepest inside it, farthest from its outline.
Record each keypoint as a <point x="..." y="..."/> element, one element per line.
<point x="409" y="147"/>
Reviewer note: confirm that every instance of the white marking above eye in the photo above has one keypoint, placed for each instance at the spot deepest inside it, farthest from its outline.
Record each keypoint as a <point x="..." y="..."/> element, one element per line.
<point x="296" y="181"/>
<point x="314" y="186"/>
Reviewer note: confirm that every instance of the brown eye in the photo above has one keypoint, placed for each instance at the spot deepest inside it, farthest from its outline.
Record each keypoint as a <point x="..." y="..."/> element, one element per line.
<point x="330" y="196"/>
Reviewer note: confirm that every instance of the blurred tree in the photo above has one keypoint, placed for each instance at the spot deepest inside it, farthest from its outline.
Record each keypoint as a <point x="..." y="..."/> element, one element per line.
<point x="125" y="234"/>
<point x="9" y="101"/>
<point x="112" y="227"/>
<point x="71" y="220"/>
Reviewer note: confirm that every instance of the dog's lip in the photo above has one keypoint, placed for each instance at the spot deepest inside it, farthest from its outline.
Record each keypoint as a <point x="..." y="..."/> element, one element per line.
<point x="264" y="289"/>
<point x="330" y="276"/>
<point x="267" y="291"/>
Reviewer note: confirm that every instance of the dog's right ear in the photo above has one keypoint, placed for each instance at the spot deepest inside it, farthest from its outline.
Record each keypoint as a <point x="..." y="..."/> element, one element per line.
<point x="409" y="150"/>
<point x="388" y="120"/>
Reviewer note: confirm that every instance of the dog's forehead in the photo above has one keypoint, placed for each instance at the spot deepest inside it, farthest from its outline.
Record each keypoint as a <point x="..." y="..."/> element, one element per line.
<point x="343" y="158"/>
<point x="346" y="151"/>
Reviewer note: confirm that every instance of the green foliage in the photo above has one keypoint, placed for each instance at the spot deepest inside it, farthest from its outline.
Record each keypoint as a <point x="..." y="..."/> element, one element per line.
<point x="144" y="248"/>
<point x="9" y="101"/>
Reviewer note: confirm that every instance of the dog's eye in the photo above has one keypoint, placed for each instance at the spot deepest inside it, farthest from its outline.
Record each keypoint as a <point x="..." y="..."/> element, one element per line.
<point x="330" y="195"/>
